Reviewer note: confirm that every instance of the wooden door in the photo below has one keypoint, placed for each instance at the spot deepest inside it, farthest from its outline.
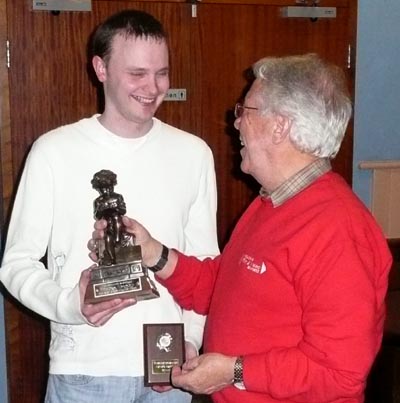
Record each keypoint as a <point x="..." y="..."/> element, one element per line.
<point x="212" y="44"/>
<point x="228" y="37"/>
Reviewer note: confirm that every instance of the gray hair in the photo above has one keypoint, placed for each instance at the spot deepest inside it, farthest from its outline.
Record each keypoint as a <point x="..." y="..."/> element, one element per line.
<point x="313" y="94"/>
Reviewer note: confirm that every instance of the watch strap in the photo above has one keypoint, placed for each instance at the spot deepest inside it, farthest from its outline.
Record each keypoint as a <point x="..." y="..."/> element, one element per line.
<point x="162" y="261"/>
<point x="238" y="370"/>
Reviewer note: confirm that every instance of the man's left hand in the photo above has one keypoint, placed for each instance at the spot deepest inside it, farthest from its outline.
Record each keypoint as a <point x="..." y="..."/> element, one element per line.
<point x="204" y="374"/>
<point x="100" y="313"/>
<point x="191" y="352"/>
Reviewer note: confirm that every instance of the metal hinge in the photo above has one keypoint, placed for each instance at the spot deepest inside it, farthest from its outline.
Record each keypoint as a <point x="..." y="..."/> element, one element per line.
<point x="194" y="7"/>
<point x="349" y="57"/>
<point x="308" y="2"/>
<point x="8" y="58"/>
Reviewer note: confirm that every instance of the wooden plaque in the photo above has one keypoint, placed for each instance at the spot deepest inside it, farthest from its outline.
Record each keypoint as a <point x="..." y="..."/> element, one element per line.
<point x="164" y="347"/>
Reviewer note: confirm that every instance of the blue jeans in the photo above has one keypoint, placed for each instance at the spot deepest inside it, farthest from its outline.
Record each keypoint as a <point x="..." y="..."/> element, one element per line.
<point x="107" y="389"/>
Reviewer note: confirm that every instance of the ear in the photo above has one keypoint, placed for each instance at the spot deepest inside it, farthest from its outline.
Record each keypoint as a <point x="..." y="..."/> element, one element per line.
<point x="282" y="128"/>
<point x="100" y="68"/>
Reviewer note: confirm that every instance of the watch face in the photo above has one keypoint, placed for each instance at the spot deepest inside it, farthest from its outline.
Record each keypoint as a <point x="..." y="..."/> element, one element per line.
<point x="239" y="385"/>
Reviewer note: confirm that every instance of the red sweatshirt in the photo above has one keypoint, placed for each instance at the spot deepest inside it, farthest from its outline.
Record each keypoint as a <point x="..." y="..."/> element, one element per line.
<point x="299" y="292"/>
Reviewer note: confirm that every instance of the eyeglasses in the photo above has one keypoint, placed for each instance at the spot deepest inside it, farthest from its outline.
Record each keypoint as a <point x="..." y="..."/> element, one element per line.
<point x="239" y="109"/>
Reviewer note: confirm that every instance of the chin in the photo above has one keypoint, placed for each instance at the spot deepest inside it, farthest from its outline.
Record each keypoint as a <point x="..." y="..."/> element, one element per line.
<point x="244" y="168"/>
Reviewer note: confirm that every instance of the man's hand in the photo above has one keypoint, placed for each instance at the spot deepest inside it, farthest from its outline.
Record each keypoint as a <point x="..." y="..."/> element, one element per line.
<point x="97" y="235"/>
<point x="190" y="352"/>
<point x="204" y="374"/>
<point x="99" y="314"/>
<point x="151" y="248"/>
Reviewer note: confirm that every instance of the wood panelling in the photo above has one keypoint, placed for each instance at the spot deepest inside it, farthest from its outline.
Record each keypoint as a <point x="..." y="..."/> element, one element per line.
<point x="6" y="182"/>
<point x="320" y="3"/>
<point x="231" y="38"/>
<point x="210" y="53"/>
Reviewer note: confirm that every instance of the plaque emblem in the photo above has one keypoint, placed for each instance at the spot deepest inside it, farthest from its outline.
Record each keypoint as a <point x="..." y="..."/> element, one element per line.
<point x="164" y="342"/>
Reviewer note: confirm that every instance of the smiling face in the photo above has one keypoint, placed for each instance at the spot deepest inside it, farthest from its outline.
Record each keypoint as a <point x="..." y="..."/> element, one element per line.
<point x="135" y="80"/>
<point x="255" y="135"/>
<point x="268" y="153"/>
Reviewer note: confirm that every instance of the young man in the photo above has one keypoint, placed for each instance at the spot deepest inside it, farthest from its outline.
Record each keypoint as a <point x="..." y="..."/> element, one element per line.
<point x="295" y="302"/>
<point x="166" y="177"/>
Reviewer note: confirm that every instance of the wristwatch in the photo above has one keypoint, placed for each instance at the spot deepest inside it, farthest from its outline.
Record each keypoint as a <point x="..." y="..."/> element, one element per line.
<point x="161" y="262"/>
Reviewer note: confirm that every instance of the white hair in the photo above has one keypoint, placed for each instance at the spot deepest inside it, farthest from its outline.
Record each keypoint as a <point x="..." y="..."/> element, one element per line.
<point x="313" y="94"/>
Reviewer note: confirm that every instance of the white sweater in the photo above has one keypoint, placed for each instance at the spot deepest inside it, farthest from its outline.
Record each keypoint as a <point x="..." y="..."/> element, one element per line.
<point x="167" y="180"/>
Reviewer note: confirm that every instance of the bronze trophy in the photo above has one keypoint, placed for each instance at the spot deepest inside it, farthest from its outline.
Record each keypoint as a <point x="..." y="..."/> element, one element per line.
<point x="120" y="273"/>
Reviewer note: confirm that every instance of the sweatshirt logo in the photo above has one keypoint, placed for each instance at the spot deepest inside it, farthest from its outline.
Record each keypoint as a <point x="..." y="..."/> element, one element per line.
<point x="248" y="262"/>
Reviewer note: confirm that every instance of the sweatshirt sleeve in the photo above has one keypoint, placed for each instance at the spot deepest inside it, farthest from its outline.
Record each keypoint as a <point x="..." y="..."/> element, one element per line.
<point x="192" y="283"/>
<point x="342" y="298"/>
<point x="194" y="327"/>
<point x="22" y="271"/>
<point x="201" y="237"/>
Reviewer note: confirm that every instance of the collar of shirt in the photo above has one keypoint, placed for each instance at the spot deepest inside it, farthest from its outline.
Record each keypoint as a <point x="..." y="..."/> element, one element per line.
<point x="297" y="182"/>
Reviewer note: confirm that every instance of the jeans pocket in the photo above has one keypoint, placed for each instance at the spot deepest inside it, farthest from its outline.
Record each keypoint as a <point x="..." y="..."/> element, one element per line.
<point x="75" y="379"/>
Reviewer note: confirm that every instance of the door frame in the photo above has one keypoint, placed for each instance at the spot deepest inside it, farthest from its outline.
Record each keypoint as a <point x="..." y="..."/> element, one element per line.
<point x="5" y="178"/>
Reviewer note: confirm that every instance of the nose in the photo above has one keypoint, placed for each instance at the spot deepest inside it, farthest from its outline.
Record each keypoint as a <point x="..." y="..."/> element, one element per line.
<point x="152" y="84"/>
<point x="236" y="123"/>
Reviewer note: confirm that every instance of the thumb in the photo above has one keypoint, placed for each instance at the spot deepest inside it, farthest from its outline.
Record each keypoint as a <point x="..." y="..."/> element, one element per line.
<point x="130" y="224"/>
<point x="85" y="277"/>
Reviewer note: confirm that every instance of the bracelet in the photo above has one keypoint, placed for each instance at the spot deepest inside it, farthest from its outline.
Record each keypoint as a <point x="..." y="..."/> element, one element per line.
<point x="238" y="370"/>
<point x="161" y="262"/>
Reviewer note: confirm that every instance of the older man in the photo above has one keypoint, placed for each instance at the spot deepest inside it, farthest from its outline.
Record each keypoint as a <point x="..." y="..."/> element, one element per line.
<point x="295" y="302"/>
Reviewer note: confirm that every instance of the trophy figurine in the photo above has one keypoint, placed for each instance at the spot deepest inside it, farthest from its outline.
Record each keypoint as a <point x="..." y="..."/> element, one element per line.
<point x="120" y="273"/>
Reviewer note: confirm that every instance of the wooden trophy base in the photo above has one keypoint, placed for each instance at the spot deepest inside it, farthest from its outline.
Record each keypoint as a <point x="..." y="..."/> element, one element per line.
<point x="124" y="280"/>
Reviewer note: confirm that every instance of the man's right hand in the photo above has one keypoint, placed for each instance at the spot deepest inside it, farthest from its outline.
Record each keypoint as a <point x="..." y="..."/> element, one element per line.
<point x="151" y="248"/>
<point x="100" y="313"/>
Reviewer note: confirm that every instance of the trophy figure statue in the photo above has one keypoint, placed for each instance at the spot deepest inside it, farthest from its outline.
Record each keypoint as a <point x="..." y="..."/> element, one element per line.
<point x="120" y="273"/>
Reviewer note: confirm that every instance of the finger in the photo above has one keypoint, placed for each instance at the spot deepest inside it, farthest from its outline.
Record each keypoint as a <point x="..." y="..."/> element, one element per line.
<point x="103" y="308"/>
<point x="129" y="224"/>
<point x="93" y="312"/>
<point x="177" y="377"/>
<point x="190" y="365"/>
<point x="100" y="224"/>
<point x="93" y="250"/>
<point x="98" y="314"/>
<point x="85" y="277"/>
<point x="107" y="316"/>
<point x="161" y="389"/>
<point x="93" y="256"/>
<point x="97" y="234"/>
<point x="179" y="383"/>
<point x="92" y="245"/>
<point x="190" y="350"/>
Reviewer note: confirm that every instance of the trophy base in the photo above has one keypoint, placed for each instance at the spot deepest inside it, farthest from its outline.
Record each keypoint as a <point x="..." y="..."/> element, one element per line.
<point x="124" y="280"/>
